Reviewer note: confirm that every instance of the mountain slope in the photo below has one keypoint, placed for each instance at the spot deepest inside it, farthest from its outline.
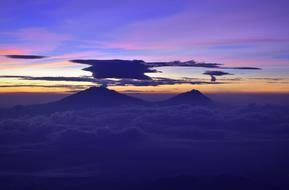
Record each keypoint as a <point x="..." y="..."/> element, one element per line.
<point x="193" y="97"/>
<point x="101" y="97"/>
<point x="93" y="97"/>
<point x="97" y="97"/>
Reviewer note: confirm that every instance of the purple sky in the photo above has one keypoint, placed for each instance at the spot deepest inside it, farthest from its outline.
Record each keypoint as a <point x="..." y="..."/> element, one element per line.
<point x="236" y="30"/>
<point x="211" y="30"/>
<point x="235" y="33"/>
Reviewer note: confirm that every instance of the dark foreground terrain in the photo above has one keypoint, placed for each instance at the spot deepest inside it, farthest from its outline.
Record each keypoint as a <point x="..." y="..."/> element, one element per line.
<point x="140" y="146"/>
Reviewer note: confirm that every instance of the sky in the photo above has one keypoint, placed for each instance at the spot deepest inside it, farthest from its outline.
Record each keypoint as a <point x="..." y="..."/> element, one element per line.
<point x="40" y="38"/>
<point x="235" y="52"/>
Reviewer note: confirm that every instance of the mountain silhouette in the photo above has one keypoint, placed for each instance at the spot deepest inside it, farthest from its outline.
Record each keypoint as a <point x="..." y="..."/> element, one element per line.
<point x="193" y="97"/>
<point x="102" y="97"/>
<point x="93" y="97"/>
<point x="97" y="97"/>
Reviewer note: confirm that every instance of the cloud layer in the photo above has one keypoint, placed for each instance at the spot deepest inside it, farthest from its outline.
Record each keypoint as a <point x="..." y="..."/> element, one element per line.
<point x="155" y="81"/>
<point x="136" y="69"/>
<point x="140" y="141"/>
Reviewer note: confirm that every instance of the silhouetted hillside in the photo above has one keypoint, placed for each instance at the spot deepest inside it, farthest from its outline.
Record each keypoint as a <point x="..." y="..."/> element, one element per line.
<point x="97" y="97"/>
<point x="102" y="97"/>
<point x="193" y="97"/>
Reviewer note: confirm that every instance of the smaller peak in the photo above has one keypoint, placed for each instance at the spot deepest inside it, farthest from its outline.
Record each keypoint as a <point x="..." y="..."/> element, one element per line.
<point x="103" y="86"/>
<point x="195" y="91"/>
<point x="90" y="89"/>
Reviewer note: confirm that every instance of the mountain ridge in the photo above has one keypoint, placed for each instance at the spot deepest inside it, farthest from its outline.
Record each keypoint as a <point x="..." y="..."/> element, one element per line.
<point x="98" y="96"/>
<point x="102" y="97"/>
<point x="193" y="97"/>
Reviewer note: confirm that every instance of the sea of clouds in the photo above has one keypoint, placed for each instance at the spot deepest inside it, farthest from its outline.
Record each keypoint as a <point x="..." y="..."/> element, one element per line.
<point x="139" y="142"/>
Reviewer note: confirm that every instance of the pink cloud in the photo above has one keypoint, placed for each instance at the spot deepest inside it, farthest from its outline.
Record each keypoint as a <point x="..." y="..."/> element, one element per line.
<point x="36" y="39"/>
<point x="195" y="27"/>
<point x="80" y="55"/>
<point x="8" y="51"/>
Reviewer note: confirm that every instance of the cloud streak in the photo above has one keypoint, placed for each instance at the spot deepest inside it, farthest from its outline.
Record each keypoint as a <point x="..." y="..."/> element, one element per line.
<point x="136" y="69"/>
<point x="26" y="56"/>
<point x="155" y="81"/>
<point x="130" y="69"/>
<point x="213" y="74"/>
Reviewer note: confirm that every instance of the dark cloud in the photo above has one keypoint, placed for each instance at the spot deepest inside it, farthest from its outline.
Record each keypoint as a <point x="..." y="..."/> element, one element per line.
<point x="267" y="79"/>
<point x="136" y="69"/>
<point x="193" y="63"/>
<point x="133" y="69"/>
<point x="271" y="80"/>
<point x="71" y="87"/>
<point x="190" y="63"/>
<point x="130" y="69"/>
<point x="242" y="68"/>
<point x="133" y="72"/>
<point x="216" y="73"/>
<point x="72" y="79"/>
<point x="213" y="74"/>
<point x="156" y="81"/>
<point x="26" y="56"/>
